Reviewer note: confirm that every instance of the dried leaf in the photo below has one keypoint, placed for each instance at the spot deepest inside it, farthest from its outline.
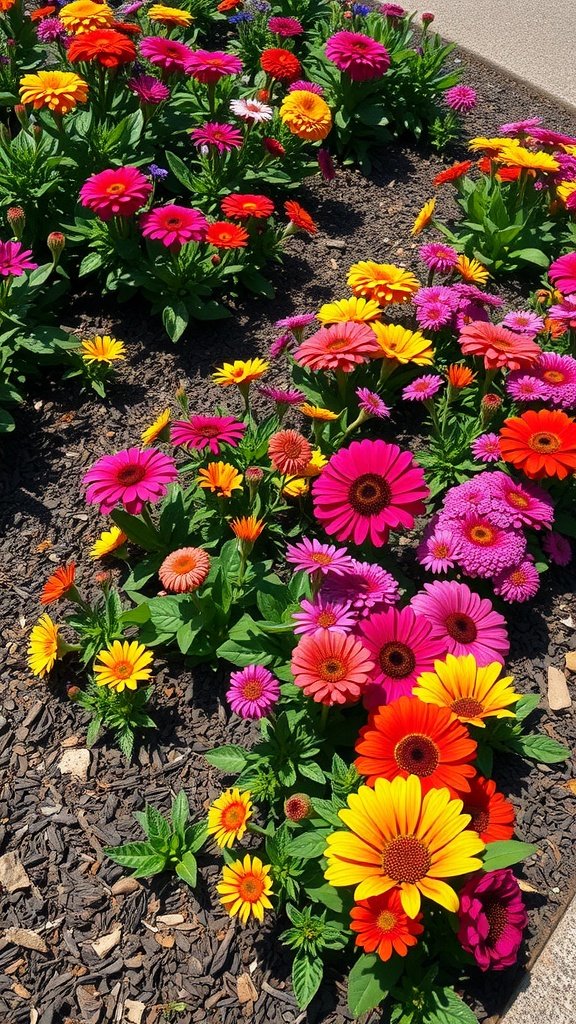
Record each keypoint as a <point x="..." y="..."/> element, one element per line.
<point x="558" y="693"/>
<point x="13" y="876"/>
<point x="170" y="920"/>
<point x="134" y="1010"/>
<point x="105" y="943"/>
<point x="526" y="887"/>
<point x="164" y="940"/>
<point x="124" y="886"/>
<point x="571" y="785"/>
<point x="44" y="545"/>
<point x="245" y="989"/>
<point x="27" y="938"/>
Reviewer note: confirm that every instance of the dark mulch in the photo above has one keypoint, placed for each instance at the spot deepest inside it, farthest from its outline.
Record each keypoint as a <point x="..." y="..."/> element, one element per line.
<point x="57" y="826"/>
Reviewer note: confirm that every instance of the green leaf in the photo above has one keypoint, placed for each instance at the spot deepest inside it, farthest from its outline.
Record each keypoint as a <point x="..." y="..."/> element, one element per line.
<point x="136" y="616"/>
<point x="175" y="318"/>
<point x="230" y="759"/>
<point x="484" y="759"/>
<point x="308" y="845"/>
<point x="504" y="853"/>
<point x="327" y="895"/>
<point x="369" y="982"/>
<point x="540" y="748"/>
<point x="532" y="256"/>
<point x="187" y="869"/>
<point x="156" y="827"/>
<point x="136" y="531"/>
<point x="307" y="975"/>
<point x="140" y="856"/>
<point x="310" y="770"/>
<point x="195" y="836"/>
<point x="180" y="813"/>
<point x="526" y="705"/>
<point x="327" y="811"/>
<point x="449" y="1009"/>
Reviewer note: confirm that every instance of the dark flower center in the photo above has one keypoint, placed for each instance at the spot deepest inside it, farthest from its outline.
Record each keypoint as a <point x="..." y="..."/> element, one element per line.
<point x="417" y="755"/>
<point x="130" y="475"/>
<point x="497" y="916"/>
<point x="332" y="670"/>
<point x="461" y="628"/>
<point x="544" y="441"/>
<point x="396" y="660"/>
<point x="369" y="494"/>
<point x="480" y="818"/>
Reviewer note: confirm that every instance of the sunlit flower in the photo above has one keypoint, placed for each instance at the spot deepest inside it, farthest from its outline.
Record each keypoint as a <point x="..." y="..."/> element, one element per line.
<point x="382" y="926"/>
<point x="323" y="614"/>
<point x="453" y="174"/>
<point x="59" y="91"/>
<point x="220" y="478"/>
<point x="371" y="404"/>
<point x="169" y="15"/>
<point x="424" y="217"/>
<point x="289" y="452"/>
<point x="242" y="207"/>
<point x="253" y="692"/>
<point x="300" y="217"/>
<point x="460" y="376"/>
<point x="131" y="478"/>
<point x="361" y="57"/>
<point x="353" y="310"/>
<point x="540" y="444"/>
<point x="438" y="257"/>
<point x="123" y="665"/>
<point x="526" y="322"/>
<point x="84" y="16"/>
<point x="486" y="549"/>
<point x="317" y="412"/>
<point x="313" y="556"/>
<point x="518" y="583"/>
<point x="341" y="346"/>
<point x="402" y="646"/>
<point x="174" y="225"/>
<point x="471" y="270"/>
<point x="224" y="137"/>
<point x="562" y="272"/>
<point x="498" y="346"/>
<point x="168" y="54"/>
<point x="108" y="541"/>
<point x="510" y="503"/>
<point x="102" y="349"/>
<point x="471" y="692"/>
<point x="513" y="155"/>
<point x="383" y="282"/>
<point x="116" y="192"/>
<point x="247" y="528"/>
<point x="463" y="621"/>
<point x="245" y="888"/>
<point x="423" y="388"/>
<point x="365" y="585"/>
<point x="228" y="817"/>
<point x="281" y="64"/>
<point x="331" y="668"/>
<point x="15" y="260"/>
<point x="241" y="371"/>
<point x="486" y="448"/>
<point x="402" y="345"/>
<point x="44" y="648"/>
<point x="60" y="583"/>
<point x="185" y="570"/>
<point x="439" y="551"/>
<point x="492" y="815"/>
<point x="251" y="111"/>
<point x="210" y="432"/>
<point x="492" y="919"/>
<point x="208" y="67"/>
<point x="148" y="89"/>
<point x="306" y="115"/>
<point x="224" y="234"/>
<point x="156" y="429"/>
<point x="461" y="98"/>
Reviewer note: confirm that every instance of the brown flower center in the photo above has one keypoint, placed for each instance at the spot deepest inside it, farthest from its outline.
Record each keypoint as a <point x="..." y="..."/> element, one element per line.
<point x="332" y="670"/>
<point x="543" y="441"/>
<point x="495" y="911"/>
<point x="369" y="494"/>
<point x="386" y="921"/>
<point x="467" y="707"/>
<point x="129" y="475"/>
<point x="396" y="660"/>
<point x="461" y="628"/>
<point x="252" y="690"/>
<point x="406" y="859"/>
<point x="210" y="430"/>
<point x="480" y="818"/>
<point x="250" y="888"/>
<point x="417" y="755"/>
<point x="173" y="222"/>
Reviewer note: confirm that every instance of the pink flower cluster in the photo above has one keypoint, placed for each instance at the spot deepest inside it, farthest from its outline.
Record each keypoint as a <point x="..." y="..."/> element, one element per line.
<point x="449" y="305"/>
<point x="552" y="379"/>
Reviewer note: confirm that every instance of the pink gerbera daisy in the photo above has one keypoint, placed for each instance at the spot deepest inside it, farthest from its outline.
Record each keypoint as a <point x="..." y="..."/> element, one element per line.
<point x="438" y="257"/>
<point x="364" y="585"/>
<point x="148" y="89"/>
<point x="184" y="570"/>
<point x="224" y="137"/>
<point x="371" y="404"/>
<point x="253" y="692"/>
<point x="117" y="192"/>
<point x="341" y="346"/>
<point x="313" y="556"/>
<point x="525" y="322"/>
<point x="498" y="346"/>
<point x="402" y="646"/>
<point x="486" y="448"/>
<point x="423" y="388"/>
<point x="519" y="127"/>
<point x="563" y="273"/>
<point x="323" y="614"/>
<point x="302" y="86"/>
<point x="208" y="67"/>
<point x="465" y="497"/>
<point x="14" y="260"/>
<point x="487" y="549"/>
<point x="367" y="489"/>
<point x="518" y="583"/>
<point x="130" y="478"/>
<point x="207" y="432"/>
<point x="558" y="374"/>
<point x="360" y="57"/>
<point x="439" y="551"/>
<point x="465" y="622"/>
<point x="524" y="387"/>
<point x="173" y="225"/>
<point x="167" y="54"/>
<point x="558" y="547"/>
<point x="331" y="668"/>
<point x="492" y="919"/>
<point x="285" y="27"/>
<point x="252" y="111"/>
<point x="512" y="504"/>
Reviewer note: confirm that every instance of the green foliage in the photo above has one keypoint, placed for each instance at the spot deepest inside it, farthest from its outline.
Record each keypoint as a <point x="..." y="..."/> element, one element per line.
<point x="309" y="936"/>
<point x="171" y="843"/>
<point x="124" y="714"/>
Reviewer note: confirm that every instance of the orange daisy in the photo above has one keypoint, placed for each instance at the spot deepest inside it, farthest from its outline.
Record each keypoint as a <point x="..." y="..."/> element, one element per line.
<point x="460" y="376"/>
<point x="492" y="815"/>
<point x="247" y="528"/>
<point x="300" y="217"/>
<point x="184" y="570"/>
<point x="58" y="584"/>
<point x="221" y="478"/>
<point x="383" y="282"/>
<point x="225" y="235"/>
<point x="316" y="412"/>
<point x="540" y="444"/>
<point x="453" y="173"/>
<point x="383" y="927"/>
<point x="289" y="452"/>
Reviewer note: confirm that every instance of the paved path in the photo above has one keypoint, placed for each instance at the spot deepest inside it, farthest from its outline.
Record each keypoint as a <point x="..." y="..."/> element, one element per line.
<point x="532" y="39"/>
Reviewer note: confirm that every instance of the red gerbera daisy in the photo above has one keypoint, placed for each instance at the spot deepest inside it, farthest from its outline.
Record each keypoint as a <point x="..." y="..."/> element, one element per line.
<point x="382" y="926"/>
<point x="453" y="173"/>
<point x="540" y="444"/>
<point x="224" y="235"/>
<point x="492" y="815"/>
<point x="331" y="668"/>
<point x="281" y="64"/>
<point x="300" y="217"/>
<point x="104" y="46"/>
<point x="58" y="584"/>
<point x="402" y="646"/>
<point x="241" y="207"/>
<point x="404" y="739"/>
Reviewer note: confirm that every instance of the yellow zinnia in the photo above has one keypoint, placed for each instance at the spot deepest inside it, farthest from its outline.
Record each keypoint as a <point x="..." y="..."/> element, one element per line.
<point x="84" y="16"/>
<point x="353" y="310"/>
<point x="399" y="839"/>
<point x="241" y="371"/>
<point x="60" y="91"/>
<point x="122" y="665"/>
<point x="383" y="282"/>
<point x="245" y="888"/>
<point x="317" y="412"/>
<point x="397" y="342"/>
<point x="519" y="156"/>
<point x="297" y="488"/>
<point x="424" y="217"/>
<point x="102" y="349"/>
<point x="221" y="478"/>
<point x="44" y="646"/>
<point x="169" y="15"/>
<point x="108" y="541"/>
<point x="471" y="693"/>
<point x="155" y="429"/>
<point x="471" y="270"/>
<point x="228" y="816"/>
<point x="306" y="115"/>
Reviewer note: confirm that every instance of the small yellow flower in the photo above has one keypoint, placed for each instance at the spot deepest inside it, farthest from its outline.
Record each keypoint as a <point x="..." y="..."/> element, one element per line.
<point x="84" y="15"/>
<point x="43" y="649"/>
<point x="155" y="429"/>
<point x="306" y="115"/>
<point x="352" y="310"/>
<point x="245" y="888"/>
<point x="241" y="371"/>
<point x="123" y="664"/>
<point x="566" y="188"/>
<point x="472" y="270"/>
<point x="102" y="349"/>
<point x="316" y="412"/>
<point x="424" y="217"/>
<point x="169" y="15"/>
<point x="491" y="147"/>
<point x="221" y="478"/>
<point x="107" y="542"/>
<point x="316" y="464"/>
<point x="519" y="156"/>
<point x="228" y="816"/>
<point x="397" y="342"/>
<point x="385" y="283"/>
<point x="297" y="488"/>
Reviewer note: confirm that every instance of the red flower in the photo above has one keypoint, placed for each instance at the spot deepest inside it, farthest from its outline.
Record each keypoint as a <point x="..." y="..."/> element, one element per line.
<point x="127" y="27"/>
<point x="281" y="64"/>
<point x="453" y="173"/>
<point x="273" y="147"/>
<point x="42" y="12"/>
<point x="59" y="583"/>
<point x="492" y="815"/>
<point x="243" y="206"/>
<point x="107" y="47"/>
<point x="383" y="927"/>
<point x="224" y="235"/>
<point x="300" y="217"/>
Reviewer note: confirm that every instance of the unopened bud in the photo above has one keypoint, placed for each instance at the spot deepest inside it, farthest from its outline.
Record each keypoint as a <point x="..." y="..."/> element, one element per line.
<point x="17" y="220"/>
<point x="427" y="17"/>
<point x="103" y="578"/>
<point x="253" y="476"/>
<point x="21" y="114"/>
<point x="298" y="807"/>
<point x="72" y="692"/>
<point x="36" y="131"/>
<point x="489" y="406"/>
<point x="215" y="260"/>
<point x="263" y="95"/>
<point x="56" y="242"/>
<point x="273" y="147"/>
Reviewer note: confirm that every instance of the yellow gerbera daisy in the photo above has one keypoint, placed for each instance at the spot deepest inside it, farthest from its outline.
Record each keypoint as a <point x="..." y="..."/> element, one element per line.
<point x="352" y="310"/>
<point x="519" y="156"/>
<point x="155" y="429"/>
<point x="399" y="839"/>
<point x="59" y="91"/>
<point x="245" y="888"/>
<point x="44" y="646"/>
<point x="102" y="349"/>
<point x="424" y="217"/>
<point x="471" y="693"/>
<point x="107" y="542"/>
<point x="383" y="282"/>
<point x="169" y="15"/>
<point x="397" y="342"/>
<point x="317" y="412"/>
<point x="241" y="371"/>
<point x="228" y="816"/>
<point x="123" y="664"/>
<point x="316" y="464"/>
<point x="84" y="15"/>
<point x="491" y="147"/>
<point x="472" y="270"/>
<point x="221" y="478"/>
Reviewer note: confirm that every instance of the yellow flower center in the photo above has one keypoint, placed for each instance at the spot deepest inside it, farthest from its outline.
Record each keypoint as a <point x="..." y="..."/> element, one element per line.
<point x="116" y="189"/>
<point x="518" y="500"/>
<point x="482" y="534"/>
<point x="326" y="619"/>
<point x="321" y="558"/>
<point x="554" y="376"/>
<point x="386" y="921"/>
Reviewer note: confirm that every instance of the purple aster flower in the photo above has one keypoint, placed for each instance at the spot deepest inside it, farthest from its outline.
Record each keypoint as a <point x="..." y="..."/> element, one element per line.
<point x="313" y="556"/>
<point x="157" y="173"/>
<point x="50" y="30"/>
<point x="519" y="583"/>
<point x="372" y="404"/>
<point x="525" y="322"/>
<point x="423" y="388"/>
<point x="558" y="547"/>
<point x="486" y="448"/>
<point x="461" y="98"/>
<point x="242" y="17"/>
<point x="322" y="614"/>
<point x="438" y="257"/>
<point x="364" y="585"/>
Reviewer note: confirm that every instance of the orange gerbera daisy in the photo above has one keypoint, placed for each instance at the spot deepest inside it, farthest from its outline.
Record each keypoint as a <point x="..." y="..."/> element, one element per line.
<point x="221" y="478"/>
<point x="424" y="217"/>
<point x="460" y="376"/>
<point x="492" y="815"/>
<point x="383" y="927"/>
<point x="184" y="570"/>
<point x="40" y="12"/>
<point x="540" y="444"/>
<point x="306" y="115"/>
<point x="300" y="217"/>
<point x="289" y="452"/>
<point x="58" y="584"/>
<point x="383" y="282"/>
<point x="60" y="91"/>
<point x="247" y="528"/>
<point x="317" y="412"/>
<point x="453" y="173"/>
<point x="225" y="235"/>
<point x="407" y="737"/>
<point x="471" y="270"/>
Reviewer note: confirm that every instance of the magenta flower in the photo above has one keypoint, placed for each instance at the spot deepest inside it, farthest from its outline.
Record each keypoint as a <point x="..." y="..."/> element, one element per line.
<point x="372" y="404"/>
<point x="465" y="622"/>
<point x="474" y="294"/>
<point x="253" y="692"/>
<point x="302" y="86"/>
<point x="50" y="30"/>
<point x="285" y="27"/>
<point x="558" y="547"/>
<point x="402" y="646"/>
<point x="281" y="344"/>
<point x="282" y="396"/>
<point x="130" y="478"/>
<point x="297" y="322"/>
<point x="558" y="375"/>
<point x="314" y="556"/>
<point x="173" y="225"/>
<point x="437" y="293"/>
<point x="208" y="67"/>
<point x="210" y="432"/>
<point x="117" y="192"/>
<point x="359" y="56"/>
<point x="167" y="54"/>
<point x="519" y="583"/>
<point x="513" y="504"/>
<point x="438" y="257"/>
<point x="14" y="260"/>
<point x="423" y="388"/>
<point x="392" y="11"/>
<point x="519" y="127"/>
<point x="364" y="585"/>
<point x="525" y="322"/>
<point x="468" y="313"/>
<point x="433" y="315"/>
<point x="486" y="549"/>
<point x="564" y="312"/>
<point x="466" y="497"/>
<point x="326" y="164"/>
<point x="524" y="387"/>
<point x="438" y="551"/>
<point x="563" y="273"/>
<point x="461" y="98"/>
<point x="486" y="448"/>
<point x="148" y="89"/>
<point x="224" y="137"/>
<point x="548" y="137"/>
<point x="321" y="614"/>
<point x="492" y="919"/>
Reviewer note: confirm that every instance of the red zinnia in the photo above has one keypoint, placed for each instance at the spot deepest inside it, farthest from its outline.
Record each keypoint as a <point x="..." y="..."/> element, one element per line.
<point x="383" y="926"/>
<point x="453" y="173"/>
<point x="273" y="147"/>
<point x="403" y="739"/>
<point x="281" y="64"/>
<point x="289" y="452"/>
<point x="540" y="444"/>
<point x="106" y="47"/>
<point x="224" y="235"/>
<point x="243" y="206"/>
<point x="498" y="346"/>
<point x="492" y="815"/>
<point x="300" y="217"/>
<point x="331" y="668"/>
<point x="58" y="584"/>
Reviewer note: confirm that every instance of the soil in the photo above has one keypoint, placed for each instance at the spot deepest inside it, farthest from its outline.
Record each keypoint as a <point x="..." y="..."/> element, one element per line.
<point x="57" y="825"/>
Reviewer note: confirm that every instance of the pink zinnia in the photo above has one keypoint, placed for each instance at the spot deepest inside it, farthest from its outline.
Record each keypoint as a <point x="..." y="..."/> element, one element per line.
<point x="498" y="346"/>
<point x="548" y="137"/>
<point x="302" y="86"/>
<point x="519" y="583"/>
<point x="251" y="111"/>
<point x="148" y="89"/>
<point x="313" y="556"/>
<point x="423" y="388"/>
<point x="167" y="54"/>
<point x="281" y="344"/>
<point x="367" y="489"/>
<point x="224" y="137"/>
<point x="364" y="585"/>
<point x="564" y="312"/>
<point x="558" y="547"/>
<point x="525" y="388"/>
<point x="433" y="315"/>
<point x="331" y="668"/>
<point x="492" y="919"/>
<point x="402" y="647"/>
<point x="341" y="346"/>
<point x="253" y="692"/>
<point x="465" y="622"/>
<point x="323" y="614"/>
<point x="282" y="396"/>
<point x="519" y="127"/>
<point x="474" y="294"/>
<point x="461" y="98"/>
<point x="14" y="260"/>
<point x="438" y="257"/>
<point x="372" y="404"/>
<point x="563" y="273"/>
<point x="297" y="322"/>
<point x="130" y="478"/>
<point x="208" y="67"/>
<point x="437" y="293"/>
<point x="285" y="27"/>
<point x="525" y="322"/>
<point x="466" y="497"/>
<point x="486" y="549"/>
<point x="392" y="11"/>
<point x="486" y="448"/>
<point x="512" y="504"/>
<point x="117" y="192"/>
<point x="360" y="56"/>
<point x="173" y="226"/>
<point x="439" y="552"/>
<point x="210" y="432"/>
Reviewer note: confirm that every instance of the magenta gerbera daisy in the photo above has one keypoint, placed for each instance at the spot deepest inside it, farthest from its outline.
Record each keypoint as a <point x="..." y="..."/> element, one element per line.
<point x="558" y="548"/>
<point x="486" y="448"/>
<point x="323" y="614"/>
<point x="167" y="54"/>
<point x="14" y="260"/>
<point x="364" y="585"/>
<point x="519" y="583"/>
<point x="513" y="504"/>
<point x="486" y="549"/>
<point x="368" y="489"/>
<point x="525" y="387"/>
<point x="465" y="622"/>
<point x="285" y="27"/>
<point x="224" y="137"/>
<point x="207" y="432"/>
<point x="116" y="192"/>
<point x="371" y="404"/>
<point x="253" y="692"/>
<point x="526" y="322"/>
<point x="173" y="225"/>
<point x="402" y="646"/>
<point x="465" y="497"/>
<point x="438" y="257"/>
<point x="558" y="374"/>
<point x="130" y="478"/>
<point x="313" y="556"/>
<point x="492" y="919"/>
<point x="148" y="89"/>
<point x="341" y="346"/>
<point x="209" y="66"/>
<point x="360" y="57"/>
<point x="439" y="551"/>
<point x="423" y="388"/>
<point x="434" y="315"/>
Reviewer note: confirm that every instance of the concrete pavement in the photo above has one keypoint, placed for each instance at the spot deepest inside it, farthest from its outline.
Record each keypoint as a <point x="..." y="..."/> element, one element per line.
<point x="532" y="39"/>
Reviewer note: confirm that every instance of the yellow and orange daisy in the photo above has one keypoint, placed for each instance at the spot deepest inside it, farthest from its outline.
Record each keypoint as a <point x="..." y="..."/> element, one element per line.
<point x="108" y="541"/>
<point x="352" y="310"/>
<point x="383" y="927"/>
<point x="491" y="147"/>
<point x="44" y="648"/>
<point x="58" y="584"/>
<point x="228" y="817"/>
<point x="247" y="528"/>
<point x="102" y="349"/>
<point x="460" y="376"/>
<point x="424" y="217"/>
<point x="245" y="888"/>
<point x="306" y="115"/>
<point x="220" y="478"/>
<point x="317" y="412"/>
<point x="471" y="693"/>
<point x="519" y="156"/>
<point x="316" y="464"/>
<point x="169" y="15"/>
<point x="59" y="91"/>
<point x="471" y="270"/>
<point x="83" y="16"/>
<point x="383" y="282"/>
<point x="122" y="665"/>
<point x="156" y="429"/>
<point x="404" y="346"/>
<point x="241" y="371"/>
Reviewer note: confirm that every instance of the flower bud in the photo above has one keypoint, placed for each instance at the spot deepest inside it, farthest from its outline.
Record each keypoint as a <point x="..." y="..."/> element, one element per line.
<point x="253" y="477"/>
<point x="72" y="692"/>
<point x="215" y="259"/>
<point x="489" y="406"/>
<point x="326" y="165"/>
<point x="298" y="807"/>
<point x="17" y="220"/>
<point x="56" y="242"/>
<point x="273" y="147"/>
<point x="427" y="18"/>
<point x="263" y="95"/>
<point x="22" y="114"/>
